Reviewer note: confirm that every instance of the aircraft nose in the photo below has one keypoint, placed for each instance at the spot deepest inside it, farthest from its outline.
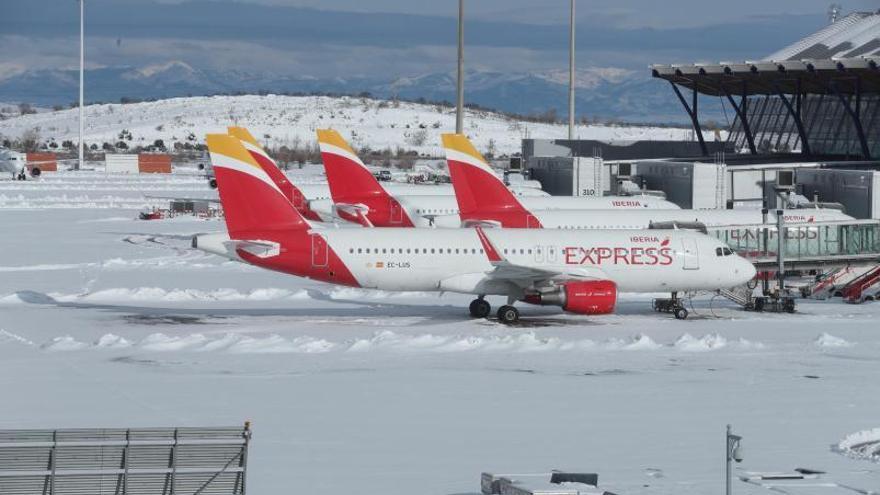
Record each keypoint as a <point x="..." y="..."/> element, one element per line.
<point x="744" y="270"/>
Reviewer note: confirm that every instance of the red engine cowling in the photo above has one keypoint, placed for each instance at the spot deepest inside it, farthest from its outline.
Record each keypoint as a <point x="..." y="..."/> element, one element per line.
<point x="592" y="297"/>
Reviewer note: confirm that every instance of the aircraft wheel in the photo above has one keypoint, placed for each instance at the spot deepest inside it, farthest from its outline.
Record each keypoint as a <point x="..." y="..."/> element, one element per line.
<point x="508" y="314"/>
<point x="480" y="308"/>
<point x="35" y="171"/>
<point x="681" y="314"/>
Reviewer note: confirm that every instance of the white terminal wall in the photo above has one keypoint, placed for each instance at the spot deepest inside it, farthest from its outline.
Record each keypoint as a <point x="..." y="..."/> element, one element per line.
<point x="121" y="164"/>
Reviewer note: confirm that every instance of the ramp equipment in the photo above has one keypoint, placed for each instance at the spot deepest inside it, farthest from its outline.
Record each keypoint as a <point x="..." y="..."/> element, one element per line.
<point x="125" y="461"/>
<point x="853" y="292"/>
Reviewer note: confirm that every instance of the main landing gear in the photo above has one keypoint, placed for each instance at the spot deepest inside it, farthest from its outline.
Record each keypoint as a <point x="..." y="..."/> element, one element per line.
<point x="508" y="314"/>
<point x="672" y="305"/>
<point x="480" y="308"/>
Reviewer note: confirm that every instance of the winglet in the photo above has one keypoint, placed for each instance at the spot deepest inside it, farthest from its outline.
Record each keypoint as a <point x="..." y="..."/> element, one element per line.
<point x="491" y="252"/>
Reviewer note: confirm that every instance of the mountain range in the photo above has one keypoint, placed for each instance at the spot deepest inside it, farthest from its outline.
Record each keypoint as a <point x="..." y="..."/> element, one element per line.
<point x="601" y="93"/>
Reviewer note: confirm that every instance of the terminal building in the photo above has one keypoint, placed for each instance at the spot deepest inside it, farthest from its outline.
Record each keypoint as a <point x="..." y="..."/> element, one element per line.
<point x="806" y="130"/>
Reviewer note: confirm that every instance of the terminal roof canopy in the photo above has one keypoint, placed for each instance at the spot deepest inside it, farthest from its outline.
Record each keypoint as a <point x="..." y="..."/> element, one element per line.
<point x="843" y="57"/>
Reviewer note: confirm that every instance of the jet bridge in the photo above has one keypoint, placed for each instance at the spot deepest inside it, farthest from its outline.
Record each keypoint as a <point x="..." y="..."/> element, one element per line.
<point x="806" y="246"/>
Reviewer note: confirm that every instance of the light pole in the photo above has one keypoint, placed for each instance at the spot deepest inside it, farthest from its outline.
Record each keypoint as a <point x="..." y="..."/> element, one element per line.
<point x="79" y="163"/>
<point x="571" y="74"/>
<point x="733" y="452"/>
<point x="459" y="97"/>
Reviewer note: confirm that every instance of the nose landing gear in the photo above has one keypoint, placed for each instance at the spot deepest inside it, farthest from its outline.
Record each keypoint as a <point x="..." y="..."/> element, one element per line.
<point x="672" y="305"/>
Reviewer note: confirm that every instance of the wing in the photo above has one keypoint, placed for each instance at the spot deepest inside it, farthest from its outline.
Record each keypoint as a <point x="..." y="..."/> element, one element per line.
<point x="525" y="276"/>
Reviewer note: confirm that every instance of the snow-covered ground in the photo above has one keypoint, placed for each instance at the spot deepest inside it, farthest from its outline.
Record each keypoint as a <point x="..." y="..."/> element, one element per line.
<point x="292" y="121"/>
<point x="110" y="321"/>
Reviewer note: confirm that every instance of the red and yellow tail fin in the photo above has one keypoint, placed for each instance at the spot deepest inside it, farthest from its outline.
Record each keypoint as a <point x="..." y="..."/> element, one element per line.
<point x="349" y="179"/>
<point x="480" y="193"/>
<point x="251" y="200"/>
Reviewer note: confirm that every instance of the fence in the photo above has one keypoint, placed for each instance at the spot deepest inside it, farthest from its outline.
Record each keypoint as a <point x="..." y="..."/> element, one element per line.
<point x="135" y="461"/>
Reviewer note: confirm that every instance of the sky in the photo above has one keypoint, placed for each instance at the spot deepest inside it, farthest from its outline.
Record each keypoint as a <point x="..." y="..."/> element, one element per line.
<point x="395" y="38"/>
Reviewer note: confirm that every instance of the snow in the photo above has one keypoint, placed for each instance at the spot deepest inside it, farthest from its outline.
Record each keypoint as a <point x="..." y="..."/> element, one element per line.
<point x="110" y="321"/>
<point x="292" y="120"/>
<point x="827" y="340"/>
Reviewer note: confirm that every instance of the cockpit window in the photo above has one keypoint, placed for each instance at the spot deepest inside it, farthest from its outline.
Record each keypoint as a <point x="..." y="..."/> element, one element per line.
<point x="728" y="251"/>
<point x="719" y="252"/>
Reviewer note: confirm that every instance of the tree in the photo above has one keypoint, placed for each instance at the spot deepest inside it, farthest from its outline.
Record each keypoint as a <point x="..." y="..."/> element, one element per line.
<point x="159" y="144"/>
<point x="25" y="109"/>
<point x="121" y="145"/>
<point x="418" y="138"/>
<point x="30" y="139"/>
<point x="490" y="150"/>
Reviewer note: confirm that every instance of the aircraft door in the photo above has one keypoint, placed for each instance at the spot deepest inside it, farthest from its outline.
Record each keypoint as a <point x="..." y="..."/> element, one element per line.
<point x="396" y="212"/>
<point x="691" y="255"/>
<point x="532" y="222"/>
<point x="299" y="201"/>
<point x="319" y="251"/>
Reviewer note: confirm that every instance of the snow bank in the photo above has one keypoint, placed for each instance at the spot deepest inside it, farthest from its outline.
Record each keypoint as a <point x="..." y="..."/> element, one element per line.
<point x="65" y="343"/>
<point x="861" y="445"/>
<point x="828" y="340"/>
<point x="688" y="342"/>
<point x="384" y="341"/>
<point x="156" y="294"/>
<point x="6" y="336"/>
<point x="112" y="341"/>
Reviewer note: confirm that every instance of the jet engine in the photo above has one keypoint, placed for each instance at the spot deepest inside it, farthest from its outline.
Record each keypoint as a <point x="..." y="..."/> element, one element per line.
<point x="589" y="297"/>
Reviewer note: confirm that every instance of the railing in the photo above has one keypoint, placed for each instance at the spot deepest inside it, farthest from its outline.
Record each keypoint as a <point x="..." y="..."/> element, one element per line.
<point x="135" y="461"/>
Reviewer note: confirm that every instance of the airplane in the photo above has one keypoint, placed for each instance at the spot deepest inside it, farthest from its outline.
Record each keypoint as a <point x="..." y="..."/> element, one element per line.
<point x="293" y="193"/>
<point x="582" y="272"/>
<point x="12" y="163"/>
<point x="314" y="200"/>
<point x="358" y="195"/>
<point x="483" y="199"/>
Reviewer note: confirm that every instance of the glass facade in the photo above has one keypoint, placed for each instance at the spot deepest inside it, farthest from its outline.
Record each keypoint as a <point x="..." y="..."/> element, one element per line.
<point x="829" y="127"/>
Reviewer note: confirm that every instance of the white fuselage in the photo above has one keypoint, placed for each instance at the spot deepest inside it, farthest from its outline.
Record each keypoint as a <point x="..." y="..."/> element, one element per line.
<point x="454" y="259"/>
<point x="642" y="219"/>
<point x="442" y="211"/>
<point x="433" y="196"/>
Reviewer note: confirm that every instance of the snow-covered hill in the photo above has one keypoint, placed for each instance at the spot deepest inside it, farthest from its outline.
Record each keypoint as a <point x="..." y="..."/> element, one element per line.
<point x="292" y="121"/>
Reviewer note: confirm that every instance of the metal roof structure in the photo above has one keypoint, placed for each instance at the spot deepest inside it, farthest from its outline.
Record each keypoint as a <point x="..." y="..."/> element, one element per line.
<point x="835" y="71"/>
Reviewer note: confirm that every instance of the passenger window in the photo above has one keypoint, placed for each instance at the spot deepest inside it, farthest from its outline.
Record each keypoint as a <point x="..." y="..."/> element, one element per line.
<point x="359" y="250"/>
<point x="432" y="250"/>
<point x="383" y="251"/>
